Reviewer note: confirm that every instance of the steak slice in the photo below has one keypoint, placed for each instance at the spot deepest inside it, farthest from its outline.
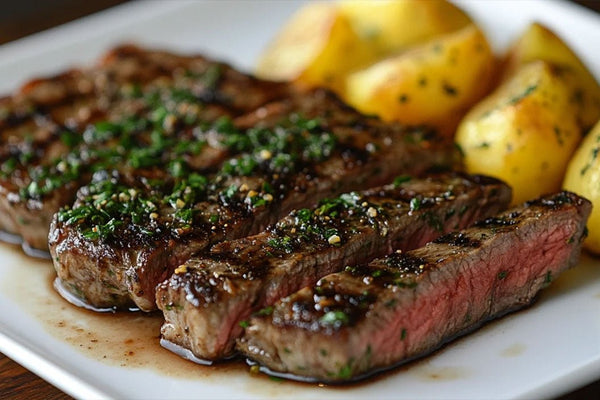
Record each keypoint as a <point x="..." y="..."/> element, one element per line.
<point x="55" y="132"/>
<point x="372" y="317"/>
<point x="114" y="253"/>
<point x="207" y="297"/>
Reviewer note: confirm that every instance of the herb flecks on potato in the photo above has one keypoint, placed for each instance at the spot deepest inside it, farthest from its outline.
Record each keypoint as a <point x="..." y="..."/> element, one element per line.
<point x="317" y="47"/>
<point x="426" y="62"/>
<point x="432" y="84"/>
<point x="392" y="26"/>
<point x="363" y="49"/>
<point x="540" y="43"/>
<point x="583" y="178"/>
<point x="524" y="132"/>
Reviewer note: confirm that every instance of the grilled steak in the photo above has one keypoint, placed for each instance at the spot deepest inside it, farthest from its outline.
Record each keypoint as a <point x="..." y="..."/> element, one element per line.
<point x="113" y="247"/>
<point x="56" y="132"/>
<point x="371" y="317"/>
<point x="207" y="297"/>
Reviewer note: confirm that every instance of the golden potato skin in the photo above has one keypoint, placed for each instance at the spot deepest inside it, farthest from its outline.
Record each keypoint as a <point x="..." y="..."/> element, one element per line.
<point x="393" y="25"/>
<point x="583" y="178"/>
<point x="317" y="47"/>
<point x="523" y="133"/>
<point x="540" y="43"/>
<point x="435" y="83"/>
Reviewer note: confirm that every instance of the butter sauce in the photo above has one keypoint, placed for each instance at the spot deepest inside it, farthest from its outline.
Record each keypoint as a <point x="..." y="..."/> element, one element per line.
<point x="129" y="340"/>
<point x="124" y="339"/>
<point x="76" y="301"/>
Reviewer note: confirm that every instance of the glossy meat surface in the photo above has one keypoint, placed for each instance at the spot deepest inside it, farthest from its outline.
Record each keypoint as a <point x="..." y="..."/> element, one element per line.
<point x="208" y="297"/>
<point x="374" y="316"/>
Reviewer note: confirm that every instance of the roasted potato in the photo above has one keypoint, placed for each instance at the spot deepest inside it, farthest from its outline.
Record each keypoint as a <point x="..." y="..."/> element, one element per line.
<point x="524" y="132"/>
<point x="432" y="84"/>
<point x="394" y="25"/>
<point x="583" y="178"/>
<point x="317" y="47"/>
<point x="540" y="43"/>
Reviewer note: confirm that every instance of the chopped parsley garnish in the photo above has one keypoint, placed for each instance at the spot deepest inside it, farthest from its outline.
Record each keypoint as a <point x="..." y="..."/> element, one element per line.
<point x="164" y="135"/>
<point x="336" y="318"/>
<point x="283" y="244"/>
<point x="415" y="204"/>
<point x="401" y="179"/>
<point x="265" y="311"/>
<point x="244" y="324"/>
<point x="101" y="216"/>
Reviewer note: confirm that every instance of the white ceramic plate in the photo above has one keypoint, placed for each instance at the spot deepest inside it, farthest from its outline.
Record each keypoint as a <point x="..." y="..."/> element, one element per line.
<point x="543" y="351"/>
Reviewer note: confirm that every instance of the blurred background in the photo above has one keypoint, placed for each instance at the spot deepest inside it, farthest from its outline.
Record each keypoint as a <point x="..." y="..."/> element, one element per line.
<point x="20" y="18"/>
<point x="24" y="17"/>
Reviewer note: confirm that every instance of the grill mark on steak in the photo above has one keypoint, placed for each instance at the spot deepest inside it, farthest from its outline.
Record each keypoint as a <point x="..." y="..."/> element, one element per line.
<point x="307" y="161"/>
<point x="458" y="239"/>
<point x="207" y="297"/>
<point x="68" y="118"/>
<point x="360" y="321"/>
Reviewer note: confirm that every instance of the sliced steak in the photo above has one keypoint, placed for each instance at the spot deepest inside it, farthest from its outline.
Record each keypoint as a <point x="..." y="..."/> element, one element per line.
<point x="207" y="298"/>
<point x="55" y="132"/>
<point x="372" y="317"/>
<point x="114" y="253"/>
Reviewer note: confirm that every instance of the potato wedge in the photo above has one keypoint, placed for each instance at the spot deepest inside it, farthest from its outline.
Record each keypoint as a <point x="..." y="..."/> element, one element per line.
<point x="524" y="132"/>
<point x="583" y="178"/>
<point x="318" y="46"/>
<point x="540" y="43"/>
<point x="432" y="84"/>
<point x="393" y="25"/>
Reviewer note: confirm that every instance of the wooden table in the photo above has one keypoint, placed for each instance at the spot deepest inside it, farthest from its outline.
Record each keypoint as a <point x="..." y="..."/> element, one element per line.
<point x="17" y="19"/>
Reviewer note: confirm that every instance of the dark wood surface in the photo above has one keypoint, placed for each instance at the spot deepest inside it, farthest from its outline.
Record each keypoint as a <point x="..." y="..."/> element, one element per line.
<point x="18" y="383"/>
<point x="23" y="17"/>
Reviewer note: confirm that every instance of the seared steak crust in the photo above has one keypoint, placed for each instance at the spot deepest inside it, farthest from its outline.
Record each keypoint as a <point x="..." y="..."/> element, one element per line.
<point x="208" y="297"/>
<point x="55" y="132"/>
<point x="371" y="317"/>
<point x="298" y="151"/>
